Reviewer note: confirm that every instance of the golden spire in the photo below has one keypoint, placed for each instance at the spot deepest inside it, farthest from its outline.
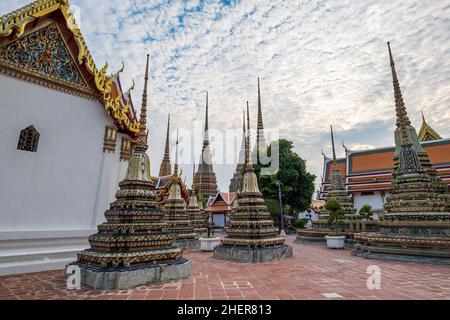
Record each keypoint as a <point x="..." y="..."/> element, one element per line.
<point x="403" y="121"/>
<point x="142" y="141"/>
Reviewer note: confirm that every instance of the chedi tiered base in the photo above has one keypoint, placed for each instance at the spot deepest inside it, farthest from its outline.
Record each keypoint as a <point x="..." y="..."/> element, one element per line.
<point x="132" y="248"/>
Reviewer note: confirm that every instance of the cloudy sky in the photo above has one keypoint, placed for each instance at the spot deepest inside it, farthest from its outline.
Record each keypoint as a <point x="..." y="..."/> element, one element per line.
<point x="320" y="63"/>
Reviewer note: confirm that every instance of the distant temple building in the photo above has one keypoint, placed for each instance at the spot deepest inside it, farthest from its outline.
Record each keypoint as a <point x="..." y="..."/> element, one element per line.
<point x="219" y="207"/>
<point x="205" y="181"/>
<point x="368" y="173"/>
<point x="67" y="132"/>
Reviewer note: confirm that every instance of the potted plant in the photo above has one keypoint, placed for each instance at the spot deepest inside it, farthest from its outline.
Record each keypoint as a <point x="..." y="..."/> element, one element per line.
<point x="210" y="242"/>
<point x="336" y="239"/>
<point x="366" y="212"/>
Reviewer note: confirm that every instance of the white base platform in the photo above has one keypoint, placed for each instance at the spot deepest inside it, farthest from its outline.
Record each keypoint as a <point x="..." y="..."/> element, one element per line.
<point x="35" y="251"/>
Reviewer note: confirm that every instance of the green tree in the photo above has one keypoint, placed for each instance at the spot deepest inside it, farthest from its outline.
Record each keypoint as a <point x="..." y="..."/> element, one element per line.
<point x="297" y="184"/>
<point x="336" y="216"/>
<point x="274" y="209"/>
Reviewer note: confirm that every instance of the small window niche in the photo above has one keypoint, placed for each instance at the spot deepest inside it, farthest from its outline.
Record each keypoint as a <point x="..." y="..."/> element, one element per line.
<point x="29" y="139"/>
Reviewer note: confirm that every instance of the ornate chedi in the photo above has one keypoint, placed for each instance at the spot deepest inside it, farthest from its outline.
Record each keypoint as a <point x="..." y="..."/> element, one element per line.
<point x="337" y="192"/>
<point x="417" y="224"/>
<point x="133" y="247"/>
<point x="236" y="181"/>
<point x="205" y="180"/>
<point x="178" y="220"/>
<point x="196" y="215"/>
<point x="166" y="167"/>
<point x="251" y="234"/>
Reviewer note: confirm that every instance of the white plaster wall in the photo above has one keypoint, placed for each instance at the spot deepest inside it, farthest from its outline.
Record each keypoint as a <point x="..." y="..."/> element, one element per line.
<point x="52" y="200"/>
<point x="57" y="187"/>
<point x="375" y="200"/>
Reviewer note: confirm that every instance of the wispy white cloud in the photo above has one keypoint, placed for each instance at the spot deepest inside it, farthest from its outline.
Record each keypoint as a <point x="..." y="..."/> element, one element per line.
<point x="321" y="63"/>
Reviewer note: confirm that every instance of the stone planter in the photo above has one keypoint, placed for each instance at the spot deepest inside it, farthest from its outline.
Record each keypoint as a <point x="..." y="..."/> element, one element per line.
<point x="335" y="242"/>
<point x="208" y="244"/>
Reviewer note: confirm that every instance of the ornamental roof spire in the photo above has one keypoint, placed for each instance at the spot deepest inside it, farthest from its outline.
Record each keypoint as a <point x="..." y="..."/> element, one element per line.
<point x="176" y="158"/>
<point x="142" y="141"/>
<point x="166" y="168"/>
<point x="403" y="121"/>
<point x="248" y="161"/>
<point x="336" y="180"/>
<point x="247" y="136"/>
<point x="260" y="117"/>
<point x="244" y="140"/>
<point x="207" y="107"/>
<point x="332" y="145"/>
<point x="261" y="144"/>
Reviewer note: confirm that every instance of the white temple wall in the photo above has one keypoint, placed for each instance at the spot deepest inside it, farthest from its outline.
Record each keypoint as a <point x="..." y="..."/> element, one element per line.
<point x="53" y="199"/>
<point x="119" y="170"/>
<point x="375" y="200"/>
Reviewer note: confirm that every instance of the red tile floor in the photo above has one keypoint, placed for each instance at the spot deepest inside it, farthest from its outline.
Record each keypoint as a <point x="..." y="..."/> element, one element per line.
<point x="315" y="272"/>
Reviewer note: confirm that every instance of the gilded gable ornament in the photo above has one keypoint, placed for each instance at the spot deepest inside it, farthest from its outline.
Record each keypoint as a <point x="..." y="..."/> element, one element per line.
<point x="44" y="53"/>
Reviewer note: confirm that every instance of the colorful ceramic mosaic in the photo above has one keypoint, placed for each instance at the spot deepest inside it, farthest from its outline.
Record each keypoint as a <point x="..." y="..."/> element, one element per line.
<point x="417" y="225"/>
<point x="134" y="234"/>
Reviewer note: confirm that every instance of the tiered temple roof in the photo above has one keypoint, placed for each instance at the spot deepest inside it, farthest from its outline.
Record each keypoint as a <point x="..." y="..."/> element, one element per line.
<point x="205" y="180"/>
<point x="134" y="234"/>
<point x="371" y="170"/>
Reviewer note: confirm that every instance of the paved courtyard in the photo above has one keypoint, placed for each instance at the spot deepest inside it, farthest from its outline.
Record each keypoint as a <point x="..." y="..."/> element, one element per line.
<point x="315" y="272"/>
